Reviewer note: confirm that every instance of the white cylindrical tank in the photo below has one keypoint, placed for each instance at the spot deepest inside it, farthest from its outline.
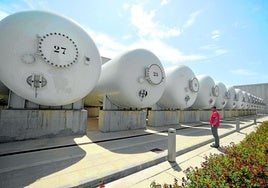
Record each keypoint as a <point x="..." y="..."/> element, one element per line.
<point x="231" y="102"/>
<point x="259" y="102"/>
<point x="134" y="79"/>
<point x="250" y="101"/>
<point x="239" y="99"/>
<point x="224" y="95"/>
<point x="46" y="58"/>
<point x="207" y="93"/>
<point x="254" y="102"/>
<point x="245" y="99"/>
<point x="181" y="88"/>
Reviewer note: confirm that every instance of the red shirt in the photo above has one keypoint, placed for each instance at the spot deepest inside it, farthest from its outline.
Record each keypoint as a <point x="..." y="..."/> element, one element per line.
<point x="215" y="118"/>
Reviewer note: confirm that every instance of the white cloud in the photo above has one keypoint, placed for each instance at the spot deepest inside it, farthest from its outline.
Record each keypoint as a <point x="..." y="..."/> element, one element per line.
<point x="209" y="47"/>
<point x="107" y="46"/>
<point x="243" y="72"/>
<point x="215" y="35"/>
<point x="143" y="21"/>
<point x="3" y="15"/>
<point x="126" y="6"/>
<point x="192" y="19"/>
<point x="151" y="34"/>
<point x="126" y="37"/>
<point x="220" y="52"/>
<point x="214" y="50"/>
<point x="29" y="3"/>
<point x="164" y="2"/>
<point x="33" y="4"/>
<point x="110" y="48"/>
<point x="165" y="52"/>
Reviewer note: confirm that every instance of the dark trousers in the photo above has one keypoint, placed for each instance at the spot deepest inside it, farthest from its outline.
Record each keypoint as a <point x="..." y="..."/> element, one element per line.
<point x="214" y="131"/>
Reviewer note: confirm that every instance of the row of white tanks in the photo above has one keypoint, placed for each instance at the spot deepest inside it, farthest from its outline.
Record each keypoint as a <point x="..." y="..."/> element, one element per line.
<point x="51" y="60"/>
<point x="136" y="79"/>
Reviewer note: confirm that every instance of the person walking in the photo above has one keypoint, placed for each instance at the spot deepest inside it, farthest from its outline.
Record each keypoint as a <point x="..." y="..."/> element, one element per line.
<point x="215" y="123"/>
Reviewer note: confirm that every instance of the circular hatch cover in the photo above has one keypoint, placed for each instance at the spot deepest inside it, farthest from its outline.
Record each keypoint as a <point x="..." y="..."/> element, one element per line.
<point x="215" y="91"/>
<point x="194" y="85"/>
<point x="154" y="74"/>
<point x="58" y="49"/>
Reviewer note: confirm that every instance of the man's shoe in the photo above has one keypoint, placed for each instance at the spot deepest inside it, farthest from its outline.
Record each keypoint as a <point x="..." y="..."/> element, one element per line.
<point x="214" y="146"/>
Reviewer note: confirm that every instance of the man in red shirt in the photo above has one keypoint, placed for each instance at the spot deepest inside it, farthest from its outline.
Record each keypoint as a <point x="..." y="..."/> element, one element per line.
<point x="215" y="123"/>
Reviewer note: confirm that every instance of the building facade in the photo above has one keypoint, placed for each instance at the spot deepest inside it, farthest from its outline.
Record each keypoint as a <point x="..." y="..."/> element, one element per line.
<point x="259" y="90"/>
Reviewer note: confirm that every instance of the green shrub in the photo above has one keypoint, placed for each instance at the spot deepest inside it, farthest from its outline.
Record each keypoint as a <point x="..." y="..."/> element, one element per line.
<point x="241" y="165"/>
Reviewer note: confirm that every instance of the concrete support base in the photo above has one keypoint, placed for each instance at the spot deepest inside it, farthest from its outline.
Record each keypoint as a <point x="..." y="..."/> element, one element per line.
<point x="253" y="112"/>
<point x="233" y="113"/>
<point x="92" y="111"/>
<point x="205" y="115"/>
<point x="236" y="113"/>
<point x="228" y="114"/>
<point x="189" y="116"/>
<point x="32" y="124"/>
<point x="222" y="113"/>
<point x="19" y="103"/>
<point x="163" y="117"/>
<point x="112" y="120"/>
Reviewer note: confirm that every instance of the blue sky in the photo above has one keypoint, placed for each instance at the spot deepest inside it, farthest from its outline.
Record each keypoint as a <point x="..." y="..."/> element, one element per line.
<point x="227" y="40"/>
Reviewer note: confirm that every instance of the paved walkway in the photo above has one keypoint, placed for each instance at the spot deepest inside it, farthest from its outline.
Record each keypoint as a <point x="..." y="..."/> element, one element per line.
<point x="166" y="172"/>
<point x="111" y="157"/>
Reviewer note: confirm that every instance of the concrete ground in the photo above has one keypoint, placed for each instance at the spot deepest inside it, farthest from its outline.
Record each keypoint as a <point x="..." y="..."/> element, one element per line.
<point x="120" y="159"/>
